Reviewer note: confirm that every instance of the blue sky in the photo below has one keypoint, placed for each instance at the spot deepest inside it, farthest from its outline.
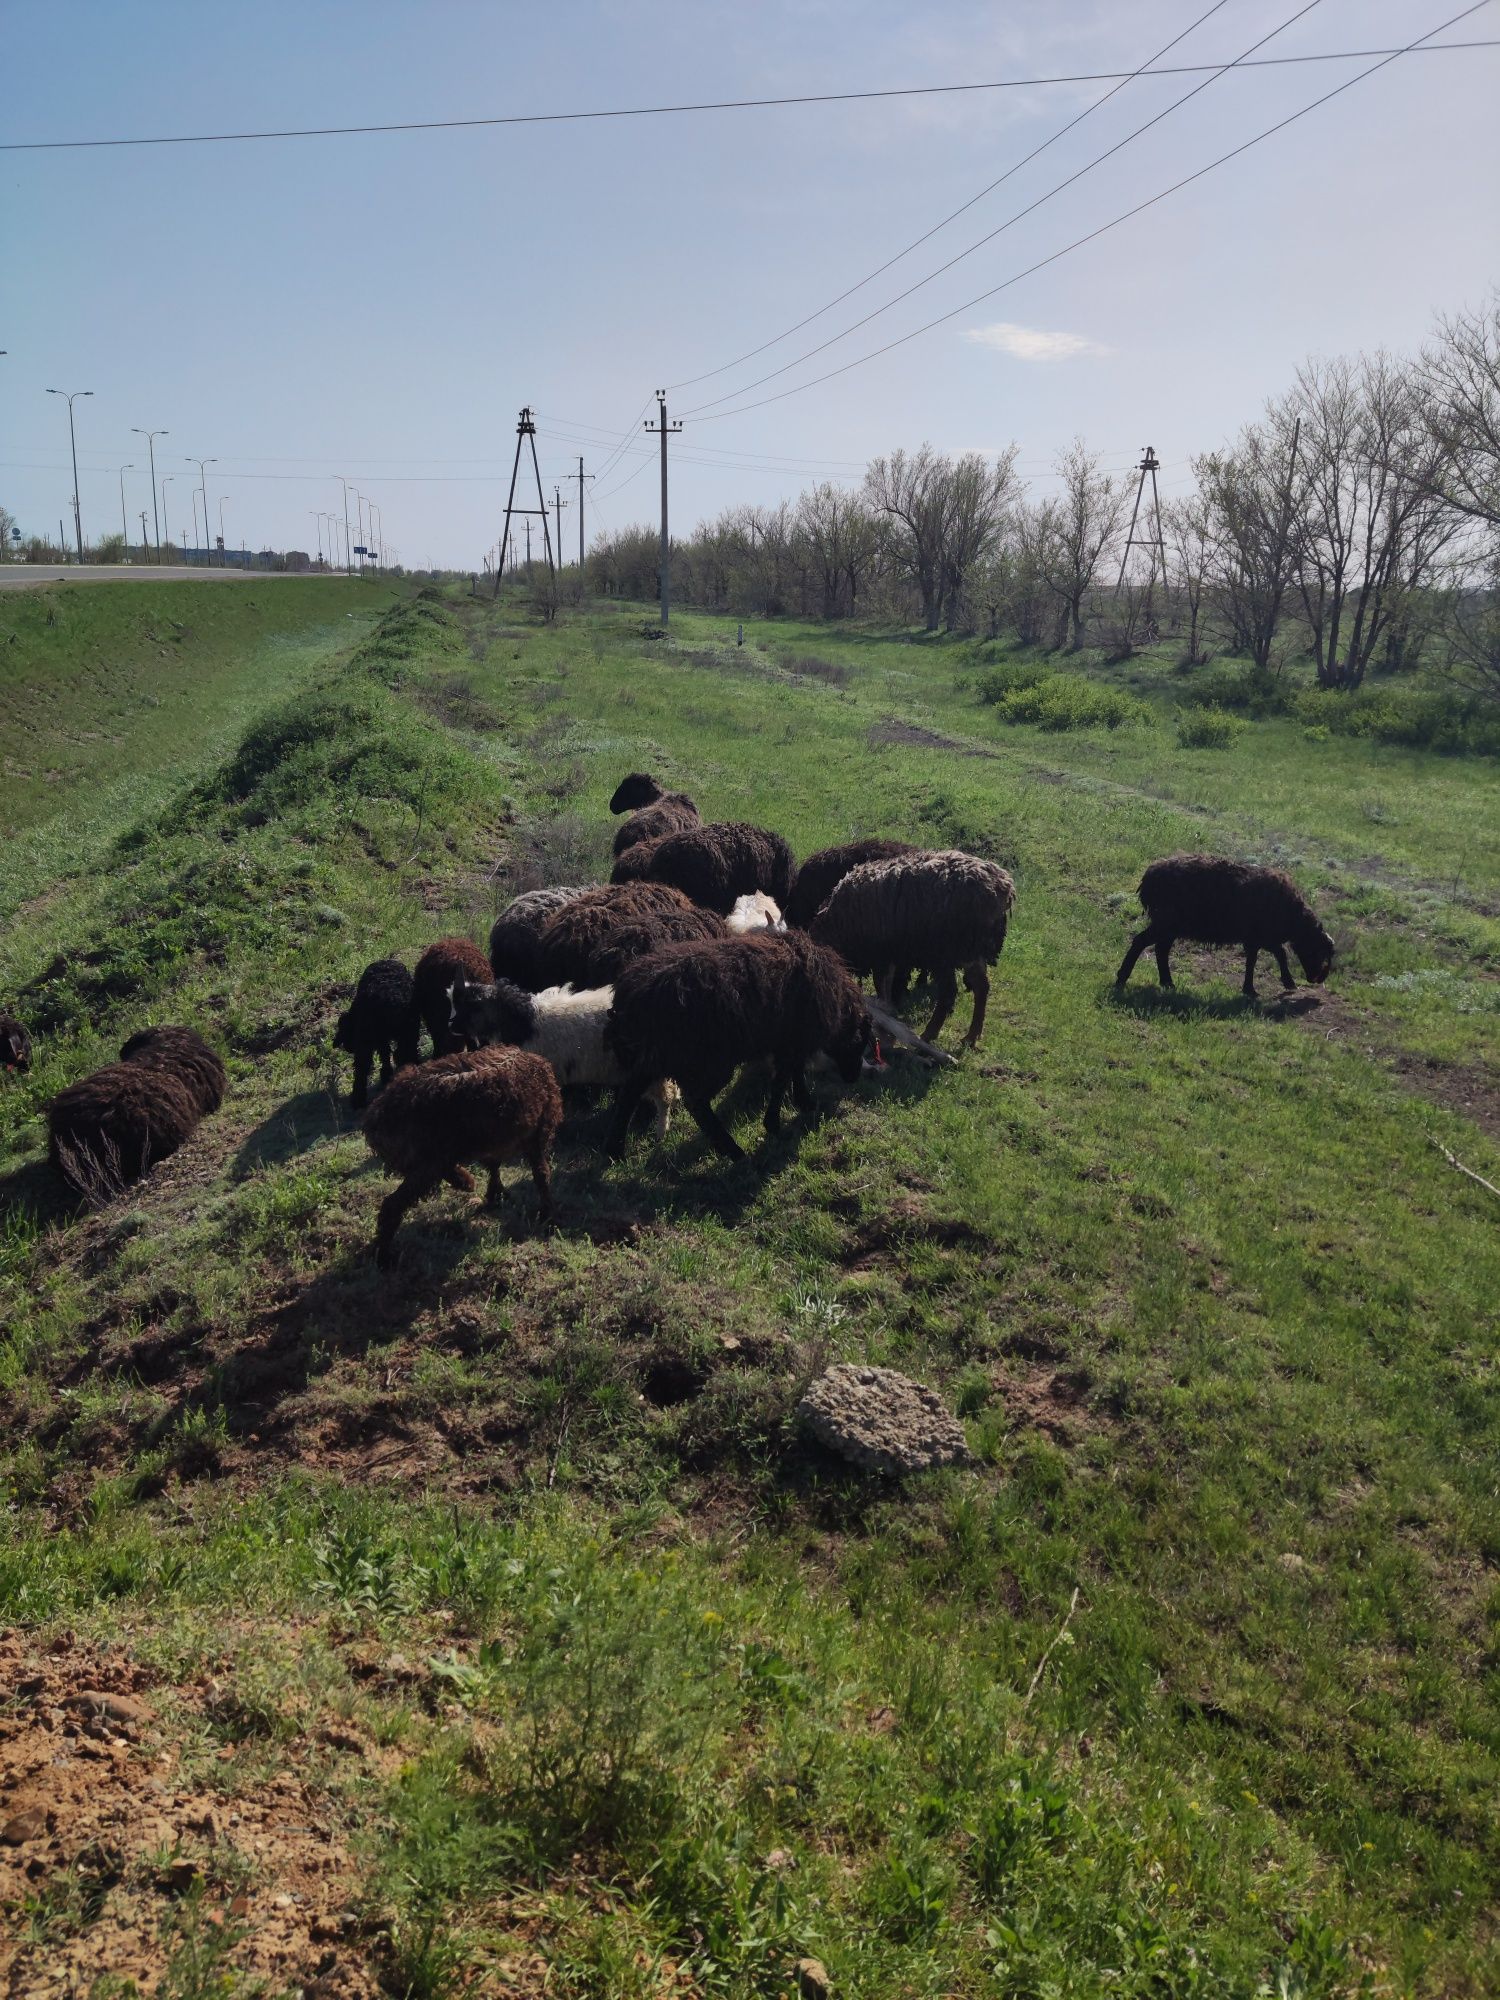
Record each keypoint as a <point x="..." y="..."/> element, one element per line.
<point x="382" y="306"/>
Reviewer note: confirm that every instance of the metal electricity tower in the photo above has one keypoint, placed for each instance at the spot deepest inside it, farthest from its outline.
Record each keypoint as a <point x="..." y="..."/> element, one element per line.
<point x="663" y="429"/>
<point x="1150" y="465"/>
<point x="525" y="428"/>
<point x="580" y="475"/>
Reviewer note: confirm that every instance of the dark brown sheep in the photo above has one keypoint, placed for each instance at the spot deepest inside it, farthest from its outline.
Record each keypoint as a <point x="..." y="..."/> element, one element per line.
<point x="440" y="968"/>
<point x="653" y="812"/>
<point x="941" y="912"/>
<point x="381" y="1020"/>
<point x="15" y="1044"/>
<point x="105" y="1130"/>
<point x="596" y="936"/>
<point x="820" y="874"/>
<point x="714" y="865"/>
<point x="1213" y="901"/>
<point x="696" y="1012"/>
<point x="185" y="1053"/>
<point x="480" y="1107"/>
<point x="513" y="939"/>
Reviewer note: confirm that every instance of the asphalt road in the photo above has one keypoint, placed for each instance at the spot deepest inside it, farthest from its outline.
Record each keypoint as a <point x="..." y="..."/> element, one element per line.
<point x="18" y="576"/>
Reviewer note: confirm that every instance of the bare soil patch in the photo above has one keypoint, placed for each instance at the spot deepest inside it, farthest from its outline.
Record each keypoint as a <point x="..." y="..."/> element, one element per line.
<point x="1470" y="1089"/>
<point x="884" y="734"/>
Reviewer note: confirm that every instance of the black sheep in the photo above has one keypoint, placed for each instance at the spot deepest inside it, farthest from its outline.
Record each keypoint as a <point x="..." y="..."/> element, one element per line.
<point x="590" y="941"/>
<point x="1214" y="901"/>
<point x="820" y="874"/>
<point x="184" y="1052"/>
<point x="653" y="812"/>
<point x="714" y="865"/>
<point x="15" y="1044"/>
<point x="517" y="930"/>
<point x="381" y="1020"/>
<point x="439" y="969"/>
<point x="696" y="1012"/>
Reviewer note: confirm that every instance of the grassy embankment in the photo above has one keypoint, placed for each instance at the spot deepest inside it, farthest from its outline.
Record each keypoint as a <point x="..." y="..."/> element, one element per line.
<point x="513" y="1559"/>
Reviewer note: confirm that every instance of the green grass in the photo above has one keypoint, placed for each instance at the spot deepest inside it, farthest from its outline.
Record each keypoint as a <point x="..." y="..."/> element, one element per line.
<point x="685" y="1700"/>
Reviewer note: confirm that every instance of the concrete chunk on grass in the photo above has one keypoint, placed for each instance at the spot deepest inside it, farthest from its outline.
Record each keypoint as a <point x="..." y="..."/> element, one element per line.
<point x="882" y="1420"/>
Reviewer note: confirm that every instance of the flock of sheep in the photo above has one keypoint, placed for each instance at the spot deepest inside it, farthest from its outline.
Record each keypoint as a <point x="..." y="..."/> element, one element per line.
<point x="708" y="949"/>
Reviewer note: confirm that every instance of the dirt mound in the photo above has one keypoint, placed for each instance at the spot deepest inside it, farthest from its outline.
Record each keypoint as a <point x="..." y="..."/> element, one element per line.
<point x="881" y="1420"/>
<point x="114" y="1862"/>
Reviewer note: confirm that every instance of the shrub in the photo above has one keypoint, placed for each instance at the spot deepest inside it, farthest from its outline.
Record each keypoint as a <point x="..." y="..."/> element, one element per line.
<point x="1068" y="701"/>
<point x="1443" y="719"/>
<point x="1249" y="690"/>
<point x="1010" y="676"/>
<point x="1208" y="729"/>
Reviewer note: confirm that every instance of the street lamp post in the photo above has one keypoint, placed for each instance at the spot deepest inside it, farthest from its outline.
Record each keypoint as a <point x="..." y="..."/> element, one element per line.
<point x="151" y="437"/>
<point x="73" y="440"/>
<point x="166" y="526"/>
<point x="124" y="527"/>
<point x="348" y="558"/>
<point x="204" y="544"/>
<point x="223" y="552"/>
<point x="202" y="464"/>
<point x="359" y="523"/>
<point x="319" y="519"/>
<point x="375" y="526"/>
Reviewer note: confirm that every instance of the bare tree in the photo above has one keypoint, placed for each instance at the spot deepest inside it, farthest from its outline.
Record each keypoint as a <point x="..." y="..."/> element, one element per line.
<point x="942" y="517"/>
<point x="1085" y="522"/>
<point x="1460" y="384"/>
<point x="1249" y="491"/>
<point x="1368" y="527"/>
<point x="838" y="531"/>
<point x="1188" y="529"/>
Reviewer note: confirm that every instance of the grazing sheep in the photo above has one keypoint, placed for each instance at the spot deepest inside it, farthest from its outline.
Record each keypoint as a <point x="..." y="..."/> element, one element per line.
<point x="380" y="1021"/>
<point x="513" y="940"/>
<point x="713" y="864"/>
<point x="755" y="912"/>
<point x="820" y="874"/>
<point x="438" y="969"/>
<point x="588" y="943"/>
<point x="474" y="1106"/>
<point x="565" y="1027"/>
<point x="15" y="1044"/>
<point x="696" y="1012"/>
<point x="189" y="1058"/>
<point x="653" y="812"/>
<point x="938" y="912"/>
<point x="1213" y="901"/>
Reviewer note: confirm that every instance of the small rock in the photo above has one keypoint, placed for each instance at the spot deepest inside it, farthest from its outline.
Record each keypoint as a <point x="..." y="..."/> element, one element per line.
<point x="812" y="1979"/>
<point x="781" y="1857"/>
<point x="283" y="1901"/>
<point x="24" y="1826"/>
<point x="1290" y="1560"/>
<point x="239" y="1906"/>
<point x="882" y="1420"/>
<point x="118" y="1709"/>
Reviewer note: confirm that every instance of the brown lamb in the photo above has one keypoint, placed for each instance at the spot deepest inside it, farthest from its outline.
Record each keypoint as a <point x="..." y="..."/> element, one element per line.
<point x="480" y="1107"/>
<point x="696" y="1012"/>
<point x="592" y="940"/>
<point x="1214" y="901"/>
<point x="653" y="811"/>
<point x="714" y="865"/>
<point x="941" y="913"/>
<point x="439" y="969"/>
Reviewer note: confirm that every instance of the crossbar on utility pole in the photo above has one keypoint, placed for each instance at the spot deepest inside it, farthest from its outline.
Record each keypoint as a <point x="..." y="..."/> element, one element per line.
<point x="663" y="429"/>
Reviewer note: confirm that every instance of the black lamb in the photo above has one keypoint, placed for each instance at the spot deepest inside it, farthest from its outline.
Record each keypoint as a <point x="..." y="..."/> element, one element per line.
<point x="1213" y="901"/>
<point x="381" y="1020"/>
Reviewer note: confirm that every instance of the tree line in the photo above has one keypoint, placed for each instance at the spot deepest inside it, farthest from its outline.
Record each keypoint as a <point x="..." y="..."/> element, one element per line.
<point x="1357" y="521"/>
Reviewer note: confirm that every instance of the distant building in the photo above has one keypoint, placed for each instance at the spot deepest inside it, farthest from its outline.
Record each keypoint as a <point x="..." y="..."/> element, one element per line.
<point x="297" y="559"/>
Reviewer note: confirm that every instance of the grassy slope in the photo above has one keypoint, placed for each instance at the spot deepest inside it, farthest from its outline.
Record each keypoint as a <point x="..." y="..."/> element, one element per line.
<point x="1220" y="1318"/>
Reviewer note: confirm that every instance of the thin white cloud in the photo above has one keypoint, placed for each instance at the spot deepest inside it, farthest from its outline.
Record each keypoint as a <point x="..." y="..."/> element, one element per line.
<point x="1032" y="343"/>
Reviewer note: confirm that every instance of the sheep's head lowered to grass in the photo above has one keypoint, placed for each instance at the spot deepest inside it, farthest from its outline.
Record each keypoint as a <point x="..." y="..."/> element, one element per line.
<point x="486" y="1013"/>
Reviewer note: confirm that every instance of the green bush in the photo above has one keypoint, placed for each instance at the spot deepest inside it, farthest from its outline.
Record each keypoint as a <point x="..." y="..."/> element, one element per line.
<point x="1249" y="690"/>
<point x="1208" y="729"/>
<point x="1430" y="718"/>
<point x="1010" y="676"/>
<point x="1068" y="701"/>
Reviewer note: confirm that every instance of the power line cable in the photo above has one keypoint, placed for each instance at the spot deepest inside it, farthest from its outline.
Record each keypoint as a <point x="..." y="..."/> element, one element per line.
<point x="1062" y="131"/>
<point x="1000" y="228"/>
<point x="1093" y="234"/>
<point x="678" y="110"/>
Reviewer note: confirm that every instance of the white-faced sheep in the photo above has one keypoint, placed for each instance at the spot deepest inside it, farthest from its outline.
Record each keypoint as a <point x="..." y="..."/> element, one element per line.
<point x="517" y="929"/>
<point x="439" y="968"/>
<point x="1213" y="901"/>
<point x="755" y="912"/>
<point x="696" y="1012"/>
<point x="653" y="811"/>
<point x="941" y="913"/>
<point x="713" y="865"/>
<point x="381" y="1020"/>
<point x="565" y="1026"/>
<point x="479" y="1107"/>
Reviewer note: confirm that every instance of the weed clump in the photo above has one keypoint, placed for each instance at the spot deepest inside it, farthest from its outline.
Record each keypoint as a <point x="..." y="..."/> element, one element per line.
<point x="1208" y="729"/>
<point x="1058" y="702"/>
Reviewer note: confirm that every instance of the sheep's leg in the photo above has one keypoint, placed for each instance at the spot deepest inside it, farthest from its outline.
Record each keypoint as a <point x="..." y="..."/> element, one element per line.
<point x="900" y="983"/>
<point x="394" y="1207"/>
<point x="802" y="1097"/>
<point x="779" y="1081"/>
<point x="713" y="1128"/>
<point x="461" y="1178"/>
<point x="947" y="993"/>
<point x="627" y="1097"/>
<point x="360" y="1095"/>
<point x="663" y="1095"/>
<point x="387" y="1067"/>
<point x="1252" y="953"/>
<point x="977" y="979"/>
<point x="1278" y="952"/>
<point x="884" y="977"/>
<point x="1164" y="960"/>
<point x="1137" y="945"/>
<point x="539" y="1159"/>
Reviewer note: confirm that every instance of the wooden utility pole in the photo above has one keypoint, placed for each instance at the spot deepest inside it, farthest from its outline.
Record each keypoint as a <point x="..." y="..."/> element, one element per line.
<point x="525" y="428"/>
<point x="1150" y="464"/>
<point x="664" y="429"/>
<point x="559" y="503"/>
<point x="580" y="475"/>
